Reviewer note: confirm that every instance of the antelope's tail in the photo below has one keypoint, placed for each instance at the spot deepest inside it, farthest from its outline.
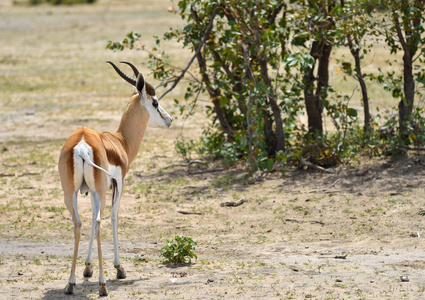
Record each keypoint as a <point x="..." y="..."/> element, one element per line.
<point x="114" y="183"/>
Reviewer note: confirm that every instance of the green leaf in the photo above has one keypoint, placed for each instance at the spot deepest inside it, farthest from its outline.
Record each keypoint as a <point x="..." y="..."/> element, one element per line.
<point x="270" y="164"/>
<point x="352" y="112"/>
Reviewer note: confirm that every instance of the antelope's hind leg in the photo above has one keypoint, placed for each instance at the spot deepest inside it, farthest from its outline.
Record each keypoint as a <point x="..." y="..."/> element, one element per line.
<point x="99" y="204"/>
<point x="71" y="204"/>
<point x="88" y="271"/>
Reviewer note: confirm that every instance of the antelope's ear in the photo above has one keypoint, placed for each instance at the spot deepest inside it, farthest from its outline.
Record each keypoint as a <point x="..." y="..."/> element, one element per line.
<point x="150" y="89"/>
<point x="140" y="84"/>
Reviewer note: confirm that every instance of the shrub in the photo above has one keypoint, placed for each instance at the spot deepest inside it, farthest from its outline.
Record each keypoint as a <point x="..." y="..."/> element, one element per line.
<point x="179" y="250"/>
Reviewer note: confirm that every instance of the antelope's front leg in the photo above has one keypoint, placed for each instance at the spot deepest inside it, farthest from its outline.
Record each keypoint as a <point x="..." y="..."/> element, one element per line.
<point x="114" y="221"/>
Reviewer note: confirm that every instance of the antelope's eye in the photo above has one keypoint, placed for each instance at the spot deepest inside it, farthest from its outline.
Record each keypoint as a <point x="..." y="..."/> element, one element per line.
<point x="155" y="104"/>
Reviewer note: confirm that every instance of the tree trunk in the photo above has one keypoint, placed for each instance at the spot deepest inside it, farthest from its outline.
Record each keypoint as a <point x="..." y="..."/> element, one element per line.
<point x="280" y="134"/>
<point x="405" y="107"/>
<point x="410" y="46"/>
<point x="314" y="109"/>
<point x="367" y="126"/>
<point x="355" y="51"/>
<point x="313" y="103"/>
<point x="215" y="95"/>
<point x="323" y="71"/>
<point x="269" y="133"/>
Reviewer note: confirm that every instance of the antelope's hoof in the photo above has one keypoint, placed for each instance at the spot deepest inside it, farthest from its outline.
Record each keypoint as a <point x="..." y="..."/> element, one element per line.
<point x="88" y="272"/>
<point x="69" y="289"/>
<point x="103" y="291"/>
<point x="120" y="272"/>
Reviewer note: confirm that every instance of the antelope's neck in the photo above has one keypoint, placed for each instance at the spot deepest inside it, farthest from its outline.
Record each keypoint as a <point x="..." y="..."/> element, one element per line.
<point x="133" y="126"/>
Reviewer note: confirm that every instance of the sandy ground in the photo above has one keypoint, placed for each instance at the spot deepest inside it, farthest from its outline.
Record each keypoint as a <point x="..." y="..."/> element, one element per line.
<point x="300" y="234"/>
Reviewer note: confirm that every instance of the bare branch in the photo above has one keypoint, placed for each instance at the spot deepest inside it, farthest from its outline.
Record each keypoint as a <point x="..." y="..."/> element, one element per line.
<point x="192" y="109"/>
<point x="400" y="34"/>
<point x="198" y="50"/>
<point x="249" y="73"/>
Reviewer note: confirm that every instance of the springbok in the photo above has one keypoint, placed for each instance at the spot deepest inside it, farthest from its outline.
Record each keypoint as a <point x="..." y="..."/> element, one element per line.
<point x="94" y="162"/>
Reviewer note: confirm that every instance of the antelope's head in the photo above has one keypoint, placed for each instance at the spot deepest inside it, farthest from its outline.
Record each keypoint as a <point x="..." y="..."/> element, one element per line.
<point x="158" y="116"/>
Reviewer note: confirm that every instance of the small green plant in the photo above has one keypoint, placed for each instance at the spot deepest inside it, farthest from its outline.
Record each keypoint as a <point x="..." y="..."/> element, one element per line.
<point x="179" y="250"/>
<point x="185" y="148"/>
<point x="224" y="182"/>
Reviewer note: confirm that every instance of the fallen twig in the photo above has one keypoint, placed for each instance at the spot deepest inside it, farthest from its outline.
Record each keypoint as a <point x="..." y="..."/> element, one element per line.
<point x="9" y="166"/>
<point x="183" y="212"/>
<point x="234" y="203"/>
<point x="326" y="188"/>
<point x="7" y="175"/>
<point x="28" y="174"/>
<point x="313" y="166"/>
<point x="304" y="221"/>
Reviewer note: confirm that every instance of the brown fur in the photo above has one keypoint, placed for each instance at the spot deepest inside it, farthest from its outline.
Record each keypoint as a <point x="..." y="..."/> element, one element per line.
<point x="118" y="149"/>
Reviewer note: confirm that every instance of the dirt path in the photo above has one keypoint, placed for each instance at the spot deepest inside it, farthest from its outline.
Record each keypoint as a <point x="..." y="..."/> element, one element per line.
<point x="287" y="274"/>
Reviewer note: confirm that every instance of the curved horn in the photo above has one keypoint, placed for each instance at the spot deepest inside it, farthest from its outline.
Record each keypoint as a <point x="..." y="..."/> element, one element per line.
<point x="136" y="72"/>
<point x="121" y="73"/>
<point x="149" y="88"/>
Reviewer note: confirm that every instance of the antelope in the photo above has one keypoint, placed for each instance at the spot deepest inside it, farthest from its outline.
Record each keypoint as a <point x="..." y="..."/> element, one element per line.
<point x="94" y="162"/>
